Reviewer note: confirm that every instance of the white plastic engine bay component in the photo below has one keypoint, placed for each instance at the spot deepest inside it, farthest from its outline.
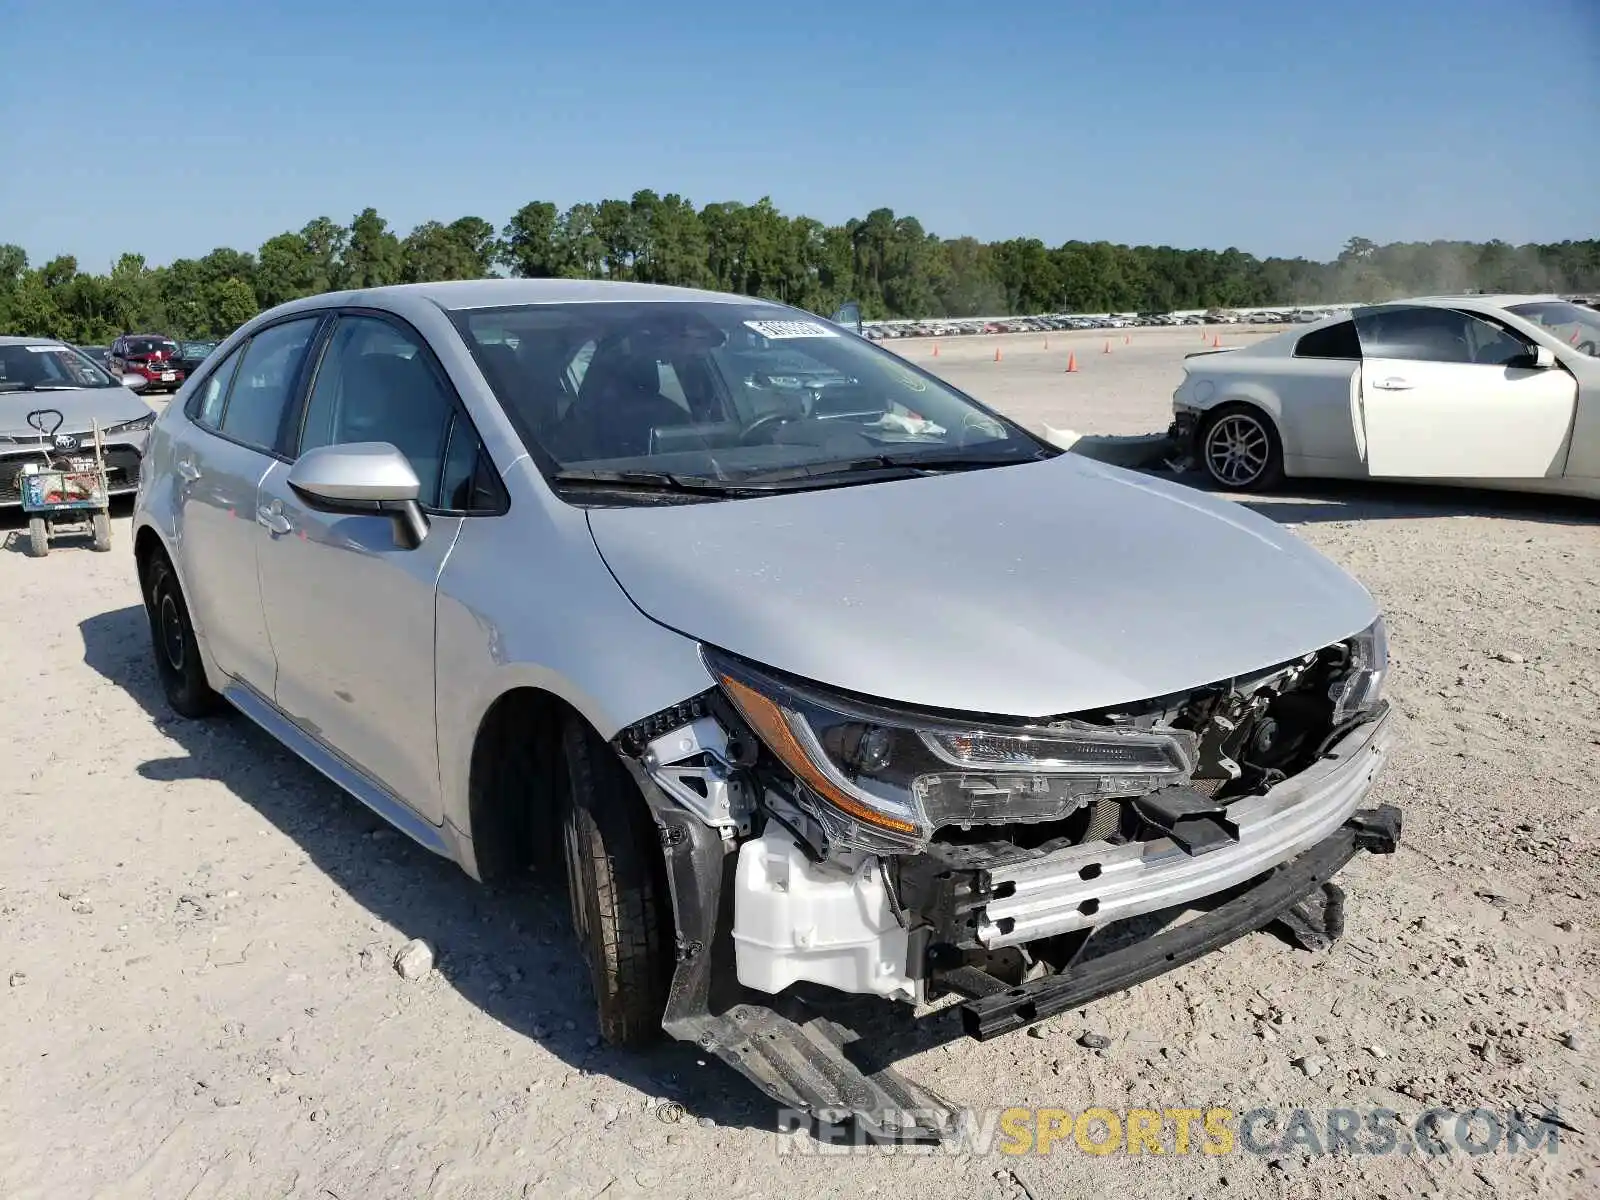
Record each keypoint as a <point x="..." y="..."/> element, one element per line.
<point x="829" y="923"/>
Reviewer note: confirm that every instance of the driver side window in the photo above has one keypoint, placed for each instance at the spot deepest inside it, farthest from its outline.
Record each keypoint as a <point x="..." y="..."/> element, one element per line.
<point x="376" y="384"/>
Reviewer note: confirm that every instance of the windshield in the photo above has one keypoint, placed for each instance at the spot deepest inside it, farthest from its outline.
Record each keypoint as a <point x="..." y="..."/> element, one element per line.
<point x="197" y="349"/>
<point x="726" y="392"/>
<point x="47" y="367"/>
<point x="1572" y="323"/>
<point x="149" y="347"/>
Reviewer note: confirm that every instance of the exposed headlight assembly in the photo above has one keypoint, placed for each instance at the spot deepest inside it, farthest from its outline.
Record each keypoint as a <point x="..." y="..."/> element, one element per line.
<point x="133" y="426"/>
<point x="1359" y="689"/>
<point x="881" y="780"/>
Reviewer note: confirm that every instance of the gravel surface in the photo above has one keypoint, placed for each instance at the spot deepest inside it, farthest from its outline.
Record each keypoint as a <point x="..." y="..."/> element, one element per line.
<point x="226" y="979"/>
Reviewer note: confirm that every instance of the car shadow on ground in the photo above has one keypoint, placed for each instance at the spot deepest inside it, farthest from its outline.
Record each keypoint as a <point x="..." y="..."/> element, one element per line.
<point x="508" y="950"/>
<point x="1308" y="501"/>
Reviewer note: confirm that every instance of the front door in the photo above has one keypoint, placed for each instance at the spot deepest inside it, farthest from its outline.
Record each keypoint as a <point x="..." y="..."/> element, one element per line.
<point x="350" y="609"/>
<point x="220" y="464"/>
<point x="1445" y="394"/>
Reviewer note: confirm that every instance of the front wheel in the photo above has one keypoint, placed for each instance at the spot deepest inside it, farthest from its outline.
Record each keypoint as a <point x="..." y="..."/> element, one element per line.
<point x="621" y="915"/>
<point x="177" y="650"/>
<point x="1240" y="450"/>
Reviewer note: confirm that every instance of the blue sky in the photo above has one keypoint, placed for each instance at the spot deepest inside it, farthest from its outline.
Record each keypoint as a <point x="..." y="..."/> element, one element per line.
<point x="1282" y="128"/>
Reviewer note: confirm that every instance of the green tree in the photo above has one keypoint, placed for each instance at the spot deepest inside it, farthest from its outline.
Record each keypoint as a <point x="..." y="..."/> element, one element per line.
<point x="528" y="242"/>
<point x="373" y="256"/>
<point x="229" y="303"/>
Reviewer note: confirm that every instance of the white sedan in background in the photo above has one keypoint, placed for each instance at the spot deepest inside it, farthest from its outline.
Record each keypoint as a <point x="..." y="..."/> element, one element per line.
<point x="1490" y="391"/>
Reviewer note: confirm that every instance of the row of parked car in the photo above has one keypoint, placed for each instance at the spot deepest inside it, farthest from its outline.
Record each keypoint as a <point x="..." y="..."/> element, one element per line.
<point x="162" y="362"/>
<point x="882" y="330"/>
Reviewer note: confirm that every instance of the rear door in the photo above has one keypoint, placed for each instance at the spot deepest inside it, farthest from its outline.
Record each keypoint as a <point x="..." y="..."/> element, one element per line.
<point x="1446" y="394"/>
<point x="237" y="416"/>
<point x="350" y="610"/>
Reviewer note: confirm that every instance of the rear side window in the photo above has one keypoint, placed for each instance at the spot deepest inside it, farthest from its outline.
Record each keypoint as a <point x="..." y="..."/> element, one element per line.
<point x="265" y="383"/>
<point x="206" y="408"/>
<point x="1335" y="341"/>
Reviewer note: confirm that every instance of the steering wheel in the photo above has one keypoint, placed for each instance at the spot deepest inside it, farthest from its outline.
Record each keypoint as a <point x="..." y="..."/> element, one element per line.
<point x="765" y="421"/>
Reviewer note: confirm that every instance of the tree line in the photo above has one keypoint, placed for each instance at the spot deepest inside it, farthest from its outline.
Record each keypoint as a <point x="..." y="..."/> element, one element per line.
<point x="889" y="263"/>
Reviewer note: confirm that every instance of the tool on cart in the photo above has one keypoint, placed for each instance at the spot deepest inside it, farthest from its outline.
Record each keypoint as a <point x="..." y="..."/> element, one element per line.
<point x="66" y="491"/>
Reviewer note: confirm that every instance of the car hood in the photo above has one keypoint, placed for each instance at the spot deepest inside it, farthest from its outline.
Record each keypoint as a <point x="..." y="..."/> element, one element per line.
<point x="1030" y="591"/>
<point x="78" y="408"/>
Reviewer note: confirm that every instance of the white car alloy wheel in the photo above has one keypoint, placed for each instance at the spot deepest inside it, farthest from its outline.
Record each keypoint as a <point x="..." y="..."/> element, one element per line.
<point x="1238" y="449"/>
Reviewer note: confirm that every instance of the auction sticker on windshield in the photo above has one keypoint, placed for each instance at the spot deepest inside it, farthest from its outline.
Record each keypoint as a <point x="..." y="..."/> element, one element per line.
<point x="791" y="329"/>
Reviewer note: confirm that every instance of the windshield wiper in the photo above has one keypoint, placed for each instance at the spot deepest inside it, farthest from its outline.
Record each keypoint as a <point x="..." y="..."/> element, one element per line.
<point x="877" y="468"/>
<point x="652" y="481"/>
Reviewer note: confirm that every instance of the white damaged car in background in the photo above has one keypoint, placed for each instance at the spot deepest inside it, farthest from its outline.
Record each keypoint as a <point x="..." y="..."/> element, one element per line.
<point x="811" y="677"/>
<point x="1487" y="391"/>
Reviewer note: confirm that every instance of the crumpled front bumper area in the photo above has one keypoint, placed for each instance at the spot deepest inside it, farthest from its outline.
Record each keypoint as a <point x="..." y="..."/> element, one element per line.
<point x="1031" y="895"/>
<point x="1131" y="911"/>
<point x="1278" y="895"/>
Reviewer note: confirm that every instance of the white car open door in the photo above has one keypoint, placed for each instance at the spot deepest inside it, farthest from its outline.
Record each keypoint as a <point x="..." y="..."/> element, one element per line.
<point x="1445" y="394"/>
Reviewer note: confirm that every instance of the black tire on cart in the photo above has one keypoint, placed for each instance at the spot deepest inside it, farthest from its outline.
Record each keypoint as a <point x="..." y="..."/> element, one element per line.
<point x="177" y="651"/>
<point x="616" y="882"/>
<point x="38" y="537"/>
<point x="101" y="525"/>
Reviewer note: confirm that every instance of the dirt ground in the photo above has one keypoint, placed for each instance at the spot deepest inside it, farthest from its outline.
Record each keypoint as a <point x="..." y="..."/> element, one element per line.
<point x="197" y="933"/>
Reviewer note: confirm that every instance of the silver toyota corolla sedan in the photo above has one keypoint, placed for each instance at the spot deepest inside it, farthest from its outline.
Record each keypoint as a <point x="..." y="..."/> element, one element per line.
<point x="44" y="374"/>
<point x="810" y="673"/>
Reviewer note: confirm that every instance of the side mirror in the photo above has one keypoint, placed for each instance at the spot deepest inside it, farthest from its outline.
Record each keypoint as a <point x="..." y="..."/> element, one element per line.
<point x="363" y="478"/>
<point x="1543" y="358"/>
<point x="135" y="383"/>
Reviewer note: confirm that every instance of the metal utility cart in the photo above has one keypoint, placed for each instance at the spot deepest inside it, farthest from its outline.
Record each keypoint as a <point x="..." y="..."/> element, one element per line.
<point x="66" y="492"/>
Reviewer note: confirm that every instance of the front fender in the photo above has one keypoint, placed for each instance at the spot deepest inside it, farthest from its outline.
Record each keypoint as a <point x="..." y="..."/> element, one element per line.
<point x="525" y="601"/>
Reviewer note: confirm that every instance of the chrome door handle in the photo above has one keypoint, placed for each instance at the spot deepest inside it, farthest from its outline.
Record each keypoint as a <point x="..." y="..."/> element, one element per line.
<point x="273" y="520"/>
<point x="1393" y="384"/>
<point x="188" y="470"/>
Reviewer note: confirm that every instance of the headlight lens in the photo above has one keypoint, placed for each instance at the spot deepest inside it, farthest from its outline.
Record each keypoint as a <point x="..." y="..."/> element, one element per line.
<point x="1360" y="688"/>
<point x="132" y="426"/>
<point x="884" y="780"/>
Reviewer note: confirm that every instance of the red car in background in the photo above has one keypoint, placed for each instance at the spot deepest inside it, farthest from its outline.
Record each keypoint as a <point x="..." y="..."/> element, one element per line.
<point x="153" y="355"/>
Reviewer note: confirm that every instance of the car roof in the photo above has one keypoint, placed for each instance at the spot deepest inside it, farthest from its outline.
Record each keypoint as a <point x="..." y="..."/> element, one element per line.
<point x="1504" y="300"/>
<point x="28" y="341"/>
<point x="496" y="293"/>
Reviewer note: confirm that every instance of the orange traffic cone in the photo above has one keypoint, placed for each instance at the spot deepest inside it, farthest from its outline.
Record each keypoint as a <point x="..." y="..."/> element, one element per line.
<point x="1216" y="342"/>
<point x="1126" y="338"/>
<point x="1072" y="364"/>
<point x="997" y="354"/>
<point x="1202" y="333"/>
<point x="936" y="349"/>
<point x="1107" y="350"/>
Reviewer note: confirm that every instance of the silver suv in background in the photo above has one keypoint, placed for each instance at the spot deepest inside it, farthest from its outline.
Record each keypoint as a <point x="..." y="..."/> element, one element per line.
<point x="811" y="674"/>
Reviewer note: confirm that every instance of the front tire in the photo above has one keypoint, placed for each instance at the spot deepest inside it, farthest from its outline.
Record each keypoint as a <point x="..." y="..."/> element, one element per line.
<point x="1240" y="449"/>
<point x="621" y="915"/>
<point x="177" y="650"/>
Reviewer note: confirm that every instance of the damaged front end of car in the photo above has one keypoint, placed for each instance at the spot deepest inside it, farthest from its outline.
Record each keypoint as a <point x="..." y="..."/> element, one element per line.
<point x="815" y="841"/>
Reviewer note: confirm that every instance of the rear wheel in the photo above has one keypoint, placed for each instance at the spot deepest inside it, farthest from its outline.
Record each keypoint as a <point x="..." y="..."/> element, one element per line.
<point x="615" y="881"/>
<point x="177" y="651"/>
<point x="38" y="537"/>
<point x="1240" y="450"/>
<point x="101" y="526"/>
